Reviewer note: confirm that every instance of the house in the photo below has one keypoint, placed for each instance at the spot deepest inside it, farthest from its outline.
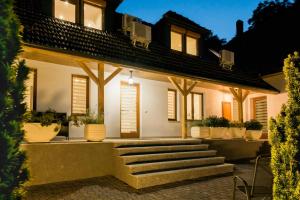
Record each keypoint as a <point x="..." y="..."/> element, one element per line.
<point x="149" y="80"/>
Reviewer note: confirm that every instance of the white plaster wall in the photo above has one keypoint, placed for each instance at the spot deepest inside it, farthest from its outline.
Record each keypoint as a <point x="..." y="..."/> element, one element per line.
<point x="54" y="91"/>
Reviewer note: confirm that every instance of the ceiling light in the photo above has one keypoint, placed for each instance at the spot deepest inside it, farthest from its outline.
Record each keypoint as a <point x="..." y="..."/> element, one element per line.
<point x="130" y="80"/>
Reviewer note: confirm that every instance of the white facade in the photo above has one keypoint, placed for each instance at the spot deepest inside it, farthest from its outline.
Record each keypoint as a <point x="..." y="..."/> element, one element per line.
<point x="54" y="91"/>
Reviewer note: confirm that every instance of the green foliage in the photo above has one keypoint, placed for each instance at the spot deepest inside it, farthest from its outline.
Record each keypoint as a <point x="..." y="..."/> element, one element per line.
<point x="285" y="137"/>
<point x="253" y="125"/>
<point x="214" y="121"/>
<point x="45" y="118"/>
<point x="13" y="174"/>
<point x="88" y="118"/>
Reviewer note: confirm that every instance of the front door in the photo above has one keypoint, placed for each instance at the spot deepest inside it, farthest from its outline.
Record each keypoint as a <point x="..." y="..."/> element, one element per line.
<point x="130" y="116"/>
<point x="226" y="110"/>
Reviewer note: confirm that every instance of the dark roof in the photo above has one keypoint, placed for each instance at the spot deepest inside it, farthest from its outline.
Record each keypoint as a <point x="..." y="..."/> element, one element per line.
<point x="179" y="20"/>
<point x="55" y="34"/>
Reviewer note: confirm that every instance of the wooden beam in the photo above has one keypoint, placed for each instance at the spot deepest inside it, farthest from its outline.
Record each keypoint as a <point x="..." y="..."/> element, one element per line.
<point x="234" y="94"/>
<point x="112" y="75"/>
<point x="245" y="95"/>
<point x="191" y="88"/>
<point x="176" y="85"/>
<point x="101" y="88"/>
<point x="184" y="110"/>
<point x="89" y="72"/>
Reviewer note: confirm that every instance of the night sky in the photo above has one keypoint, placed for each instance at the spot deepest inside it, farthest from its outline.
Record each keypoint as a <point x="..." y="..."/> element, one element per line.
<point x="217" y="15"/>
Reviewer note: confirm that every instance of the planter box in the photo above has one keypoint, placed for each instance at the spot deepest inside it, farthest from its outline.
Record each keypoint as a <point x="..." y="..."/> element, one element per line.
<point x="94" y="132"/>
<point x="35" y="132"/>
<point x="253" y="134"/>
<point x="237" y="132"/>
<point x="200" y="132"/>
<point x="219" y="133"/>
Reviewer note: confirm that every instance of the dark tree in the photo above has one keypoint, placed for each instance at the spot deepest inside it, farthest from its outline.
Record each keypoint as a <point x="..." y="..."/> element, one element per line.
<point x="12" y="77"/>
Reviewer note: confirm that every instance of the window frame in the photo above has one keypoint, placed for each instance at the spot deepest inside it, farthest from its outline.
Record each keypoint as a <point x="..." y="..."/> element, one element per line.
<point x="175" y="104"/>
<point x="77" y="11"/>
<point x="193" y="106"/>
<point x="98" y="6"/>
<point x="87" y="93"/>
<point x="34" y="97"/>
<point x="182" y="42"/>
<point x="197" y="44"/>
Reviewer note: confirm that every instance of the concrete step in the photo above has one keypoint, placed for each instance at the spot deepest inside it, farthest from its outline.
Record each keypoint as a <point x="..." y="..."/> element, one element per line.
<point x="127" y="159"/>
<point x="158" y="178"/>
<point x="175" y="164"/>
<point x="154" y="142"/>
<point x="159" y="149"/>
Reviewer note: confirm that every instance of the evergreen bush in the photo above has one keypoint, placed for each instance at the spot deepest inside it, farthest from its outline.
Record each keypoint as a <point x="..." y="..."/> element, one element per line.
<point x="285" y="137"/>
<point x="13" y="174"/>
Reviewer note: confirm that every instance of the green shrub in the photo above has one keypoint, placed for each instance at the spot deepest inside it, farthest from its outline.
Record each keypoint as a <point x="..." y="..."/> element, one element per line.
<point x="236" y="124"/>
<point x="285" y="137"/>
<point x="45" y="118"/>
<point x="196" y="123"/>
<point x="214" y="121"/>
<point x="13" y="173"/>
<point x="88" y="118"/>
<point x="253" y="125"/>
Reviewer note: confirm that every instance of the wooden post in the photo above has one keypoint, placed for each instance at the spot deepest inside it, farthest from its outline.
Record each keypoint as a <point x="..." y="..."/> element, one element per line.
<point x="183" y="111"/>
<point x="240" y="98"/>
<point x="101" y="88"/>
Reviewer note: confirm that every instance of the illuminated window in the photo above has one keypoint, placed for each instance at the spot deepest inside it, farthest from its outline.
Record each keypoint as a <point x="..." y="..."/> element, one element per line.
<point x="195" y="106"/>
<point x="172" y="105"/>
<point x="176" y="41"/>
<point x="65" y="10"/>
<point x="93" y="16"/>
<point x="191" y="46"/>
<point x="80" y="94"/>
<point x="30" y="90"/>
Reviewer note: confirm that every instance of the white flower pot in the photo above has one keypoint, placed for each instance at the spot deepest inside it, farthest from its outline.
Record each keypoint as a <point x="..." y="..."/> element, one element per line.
<point x="219" y="133"/>
<point x="35" y="132"/>
<point x="94" y="132"/>
<point x="253" y="134"/>
<point x="200" y="132"/>
<point x="237" y="132"/>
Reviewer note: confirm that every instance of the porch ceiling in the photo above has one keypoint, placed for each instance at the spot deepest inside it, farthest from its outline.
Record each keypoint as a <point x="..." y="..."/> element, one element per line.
<point x="65" y="59"/>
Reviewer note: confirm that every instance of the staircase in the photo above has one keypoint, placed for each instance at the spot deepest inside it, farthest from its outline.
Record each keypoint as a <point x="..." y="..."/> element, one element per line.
<point x="146" y="163"/>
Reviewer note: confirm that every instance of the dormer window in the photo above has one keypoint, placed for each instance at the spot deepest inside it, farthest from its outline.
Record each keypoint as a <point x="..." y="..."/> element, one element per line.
<point x="93" y="15"/>
<point x="176" y="41"/>
<point x="65" y="10"/>
<point x="191" y="46"/>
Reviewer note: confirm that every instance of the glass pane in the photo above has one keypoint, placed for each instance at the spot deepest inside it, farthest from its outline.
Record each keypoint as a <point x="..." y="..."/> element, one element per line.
<point x="79" y="95"/>
<point x="93" y="16"/>
<point x="189" y="107"/>
<point x="197" y="106"/>
<point x="176" y="41"/>
<point x="29" y="89"/>
<point x="65" y="10"/>
<point x="171" y="104"/>
<point x="191" y="45"/>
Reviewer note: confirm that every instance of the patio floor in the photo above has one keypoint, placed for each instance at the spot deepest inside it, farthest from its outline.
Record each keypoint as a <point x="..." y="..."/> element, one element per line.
<point x="110" y="188"/>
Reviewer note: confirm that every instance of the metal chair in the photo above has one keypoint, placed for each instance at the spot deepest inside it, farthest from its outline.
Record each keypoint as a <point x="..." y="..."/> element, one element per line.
<point x="262" y="181"/>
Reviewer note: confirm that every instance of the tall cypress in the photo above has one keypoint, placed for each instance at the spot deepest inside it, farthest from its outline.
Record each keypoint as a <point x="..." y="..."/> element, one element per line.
<point x="13" y="73"/>
<point x="285" y="137"/>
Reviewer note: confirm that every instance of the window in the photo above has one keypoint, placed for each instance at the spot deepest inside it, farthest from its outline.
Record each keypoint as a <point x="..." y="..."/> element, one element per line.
<point x="31" y="90"/>
<point x="235" y="110"/>
<point x="172" y="105"/>
<point x="176" y="41"/>
<point x="65" y="10"/>
<point x="260" y="111"/>
<point x="195" y="106"/>
<point x="191" y="46"/>
<point x="80" y="94"/>
<point x="93" y="16"/>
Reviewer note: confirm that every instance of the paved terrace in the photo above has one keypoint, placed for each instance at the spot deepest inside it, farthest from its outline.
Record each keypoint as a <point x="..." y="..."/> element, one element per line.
<point x="110" y="188"/>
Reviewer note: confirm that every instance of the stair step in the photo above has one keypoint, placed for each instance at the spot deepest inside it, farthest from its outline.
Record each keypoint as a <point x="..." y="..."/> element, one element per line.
<point x="174" y="164"/>
<point x="161" y="142"/>
<point x="129" y="159"/>
<point x="159" y="178"/>
<point x="159" y="149"/>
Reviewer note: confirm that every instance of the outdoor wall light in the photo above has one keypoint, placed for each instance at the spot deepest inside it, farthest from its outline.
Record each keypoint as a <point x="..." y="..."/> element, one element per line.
<point x="130" y="80"/>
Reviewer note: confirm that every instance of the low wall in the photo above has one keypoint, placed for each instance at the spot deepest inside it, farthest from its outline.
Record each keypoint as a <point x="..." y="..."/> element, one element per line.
<point x="57" y="162"/>
<point x="235" y="149"/>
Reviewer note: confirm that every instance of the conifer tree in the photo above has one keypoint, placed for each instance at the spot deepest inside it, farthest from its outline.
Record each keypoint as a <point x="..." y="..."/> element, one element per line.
<point x="285" y="137"/>
<point x="12" y="76"/>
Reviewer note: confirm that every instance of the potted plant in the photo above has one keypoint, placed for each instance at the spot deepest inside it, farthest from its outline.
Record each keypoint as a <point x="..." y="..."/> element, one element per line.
<point x="199" y="130"/>
<point x="237" y="130"/>
<point x="41" y="126"/>
<point x="253" y="130"/>
<point x="94" y="128"/>
<point x="218" y="127"/>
